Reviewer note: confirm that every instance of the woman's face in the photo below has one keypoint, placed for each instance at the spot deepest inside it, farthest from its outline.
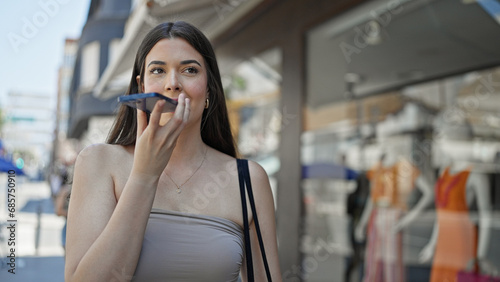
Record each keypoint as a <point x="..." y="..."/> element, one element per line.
<point x="173" y="67"/>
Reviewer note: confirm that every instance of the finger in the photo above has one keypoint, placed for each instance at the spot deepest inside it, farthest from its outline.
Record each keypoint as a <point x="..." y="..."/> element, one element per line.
<point x="185" y="116"/>
<point x="142" y="122"/>
<point x="181" y="105"/>
<point x="154" y="120"/>
<point x="175" y="124"/>
<point x="179" y="116"/>
<point x="187" y="110"/>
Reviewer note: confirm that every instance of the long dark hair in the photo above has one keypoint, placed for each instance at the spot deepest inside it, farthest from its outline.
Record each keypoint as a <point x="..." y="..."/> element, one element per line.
<point x="215" y="129"/>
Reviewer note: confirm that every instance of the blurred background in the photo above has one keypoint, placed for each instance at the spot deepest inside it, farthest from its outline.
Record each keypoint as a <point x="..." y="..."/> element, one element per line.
<point x="329" y="96"/>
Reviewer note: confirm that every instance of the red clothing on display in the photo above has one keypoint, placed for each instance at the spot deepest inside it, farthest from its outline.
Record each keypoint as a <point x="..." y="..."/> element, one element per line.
<point x="457" y="238"/>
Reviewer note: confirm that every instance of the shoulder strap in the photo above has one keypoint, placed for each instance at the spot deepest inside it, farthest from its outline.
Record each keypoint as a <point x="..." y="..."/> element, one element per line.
<point x="246" y="229"/>
<point x="244" y="173"/>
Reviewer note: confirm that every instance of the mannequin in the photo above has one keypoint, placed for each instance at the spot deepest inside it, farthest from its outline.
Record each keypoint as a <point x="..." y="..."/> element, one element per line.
<point x="456" y="189"/>
<point x="391" y="182"/>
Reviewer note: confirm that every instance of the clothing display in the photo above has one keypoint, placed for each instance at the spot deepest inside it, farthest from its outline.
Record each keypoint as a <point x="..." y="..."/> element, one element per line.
<point x="390" y="187"/>
<point x="457" y="238"/>
<point x="190" y="247"/>
<point x="384" y="253"/>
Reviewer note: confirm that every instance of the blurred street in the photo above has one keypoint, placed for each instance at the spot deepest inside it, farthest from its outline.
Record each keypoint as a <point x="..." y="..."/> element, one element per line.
<point x="39" y="255"/>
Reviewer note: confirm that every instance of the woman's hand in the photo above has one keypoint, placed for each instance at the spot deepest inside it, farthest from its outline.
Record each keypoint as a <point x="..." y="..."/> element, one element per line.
<point x="155" y="143"/>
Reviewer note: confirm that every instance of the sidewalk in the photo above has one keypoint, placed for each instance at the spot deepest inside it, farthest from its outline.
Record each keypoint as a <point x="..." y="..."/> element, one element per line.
<point x="38" y="250"/>
<point x="36" y="269"/>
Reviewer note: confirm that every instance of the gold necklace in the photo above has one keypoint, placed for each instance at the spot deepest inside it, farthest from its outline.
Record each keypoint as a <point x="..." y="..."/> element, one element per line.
<point x="179" y="186"/>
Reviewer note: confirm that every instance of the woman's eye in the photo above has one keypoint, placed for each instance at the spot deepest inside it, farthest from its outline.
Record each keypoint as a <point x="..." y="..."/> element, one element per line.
<point x="191" y="70"/>
<point x="156" y="71"/>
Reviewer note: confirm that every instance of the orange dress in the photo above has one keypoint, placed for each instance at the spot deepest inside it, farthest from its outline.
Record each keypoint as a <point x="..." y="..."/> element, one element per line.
<point x="390" y="187"/>
<point x="457" y="238"/>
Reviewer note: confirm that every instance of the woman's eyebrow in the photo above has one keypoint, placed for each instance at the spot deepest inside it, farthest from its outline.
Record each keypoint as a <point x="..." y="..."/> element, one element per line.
<point x="186" y="62"/>
<point x="157" y="63"/>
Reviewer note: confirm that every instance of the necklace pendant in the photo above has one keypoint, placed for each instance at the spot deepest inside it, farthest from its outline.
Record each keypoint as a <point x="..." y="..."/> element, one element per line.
<point x="179" y="187"/>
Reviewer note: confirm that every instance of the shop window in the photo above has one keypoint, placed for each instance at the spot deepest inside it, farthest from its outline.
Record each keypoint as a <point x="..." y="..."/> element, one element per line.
<point x="390" y="117"/>
<point x="253" y="90"/>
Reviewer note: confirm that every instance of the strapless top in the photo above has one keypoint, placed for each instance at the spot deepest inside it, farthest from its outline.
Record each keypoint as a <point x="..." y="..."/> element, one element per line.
<point x="190" y="247"/>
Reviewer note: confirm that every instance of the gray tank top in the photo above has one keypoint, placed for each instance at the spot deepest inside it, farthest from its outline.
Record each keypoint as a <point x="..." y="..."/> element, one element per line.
<point x="189" y="247"/>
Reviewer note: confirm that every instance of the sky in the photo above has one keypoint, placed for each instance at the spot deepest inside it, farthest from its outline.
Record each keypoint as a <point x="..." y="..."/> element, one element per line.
<point x="32" y="40"/>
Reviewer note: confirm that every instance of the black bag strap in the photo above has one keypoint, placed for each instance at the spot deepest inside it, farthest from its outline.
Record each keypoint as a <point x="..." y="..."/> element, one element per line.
<point x="246" y="229"/>
<point x="244" y="178"/>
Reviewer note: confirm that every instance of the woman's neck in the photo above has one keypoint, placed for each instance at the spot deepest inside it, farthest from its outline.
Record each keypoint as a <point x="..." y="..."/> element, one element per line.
<point x="189" y="148"/>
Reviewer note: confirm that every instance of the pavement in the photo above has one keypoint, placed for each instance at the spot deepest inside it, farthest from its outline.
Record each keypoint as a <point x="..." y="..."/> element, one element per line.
<point x="39" y="255"/>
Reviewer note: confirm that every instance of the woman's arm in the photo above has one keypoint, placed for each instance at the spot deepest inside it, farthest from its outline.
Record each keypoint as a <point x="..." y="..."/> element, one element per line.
<point x="104" y="237"/>
<point x="264" y="205"/>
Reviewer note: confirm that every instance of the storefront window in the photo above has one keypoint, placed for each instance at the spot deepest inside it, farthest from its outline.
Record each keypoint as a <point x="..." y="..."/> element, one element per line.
<point x="400" y="150"/>
<point x="253" y="90"/>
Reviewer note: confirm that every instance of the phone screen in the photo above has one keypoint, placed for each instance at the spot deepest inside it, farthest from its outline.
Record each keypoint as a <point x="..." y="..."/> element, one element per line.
<point x="147" y="101"/>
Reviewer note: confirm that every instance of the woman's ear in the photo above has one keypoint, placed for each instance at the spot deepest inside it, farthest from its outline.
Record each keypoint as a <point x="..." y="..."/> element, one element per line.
<point x="139" y="84"/>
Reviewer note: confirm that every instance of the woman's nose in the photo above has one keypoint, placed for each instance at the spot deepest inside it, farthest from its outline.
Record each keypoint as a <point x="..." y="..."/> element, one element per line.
<point x="173" y="83"/>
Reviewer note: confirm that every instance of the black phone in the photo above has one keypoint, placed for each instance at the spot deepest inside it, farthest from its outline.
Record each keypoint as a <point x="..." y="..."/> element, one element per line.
<point x="146" y="102"/>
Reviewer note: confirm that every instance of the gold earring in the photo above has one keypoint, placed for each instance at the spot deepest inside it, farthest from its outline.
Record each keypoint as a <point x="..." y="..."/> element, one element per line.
<point x="207" y="103"/>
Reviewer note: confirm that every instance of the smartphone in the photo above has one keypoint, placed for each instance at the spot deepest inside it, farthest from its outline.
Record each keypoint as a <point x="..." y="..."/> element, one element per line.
<point x="146" y="102"/>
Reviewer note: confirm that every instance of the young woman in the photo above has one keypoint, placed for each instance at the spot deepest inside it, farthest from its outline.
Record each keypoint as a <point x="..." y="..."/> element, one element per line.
<point x="161" y="200"/>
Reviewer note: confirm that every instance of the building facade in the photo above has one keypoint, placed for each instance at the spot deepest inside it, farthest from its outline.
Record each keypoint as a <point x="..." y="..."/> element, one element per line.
<point x="63" y="152"/>
<point x="97" y="45"/>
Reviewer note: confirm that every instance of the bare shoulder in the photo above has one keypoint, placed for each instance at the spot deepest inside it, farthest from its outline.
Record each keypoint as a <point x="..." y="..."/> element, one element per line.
<point x="95" y="169"/>
<point x="221" y="163"/>
<point x="227" y="165"/>
<point x="101" y="156"/>
<point x="258" y="174"/>
<point x="260" y="183"/>
<point x="99" y="152"/>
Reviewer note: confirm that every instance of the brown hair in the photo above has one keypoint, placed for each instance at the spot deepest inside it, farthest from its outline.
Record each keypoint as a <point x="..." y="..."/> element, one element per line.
<point x="215" y="129"/>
